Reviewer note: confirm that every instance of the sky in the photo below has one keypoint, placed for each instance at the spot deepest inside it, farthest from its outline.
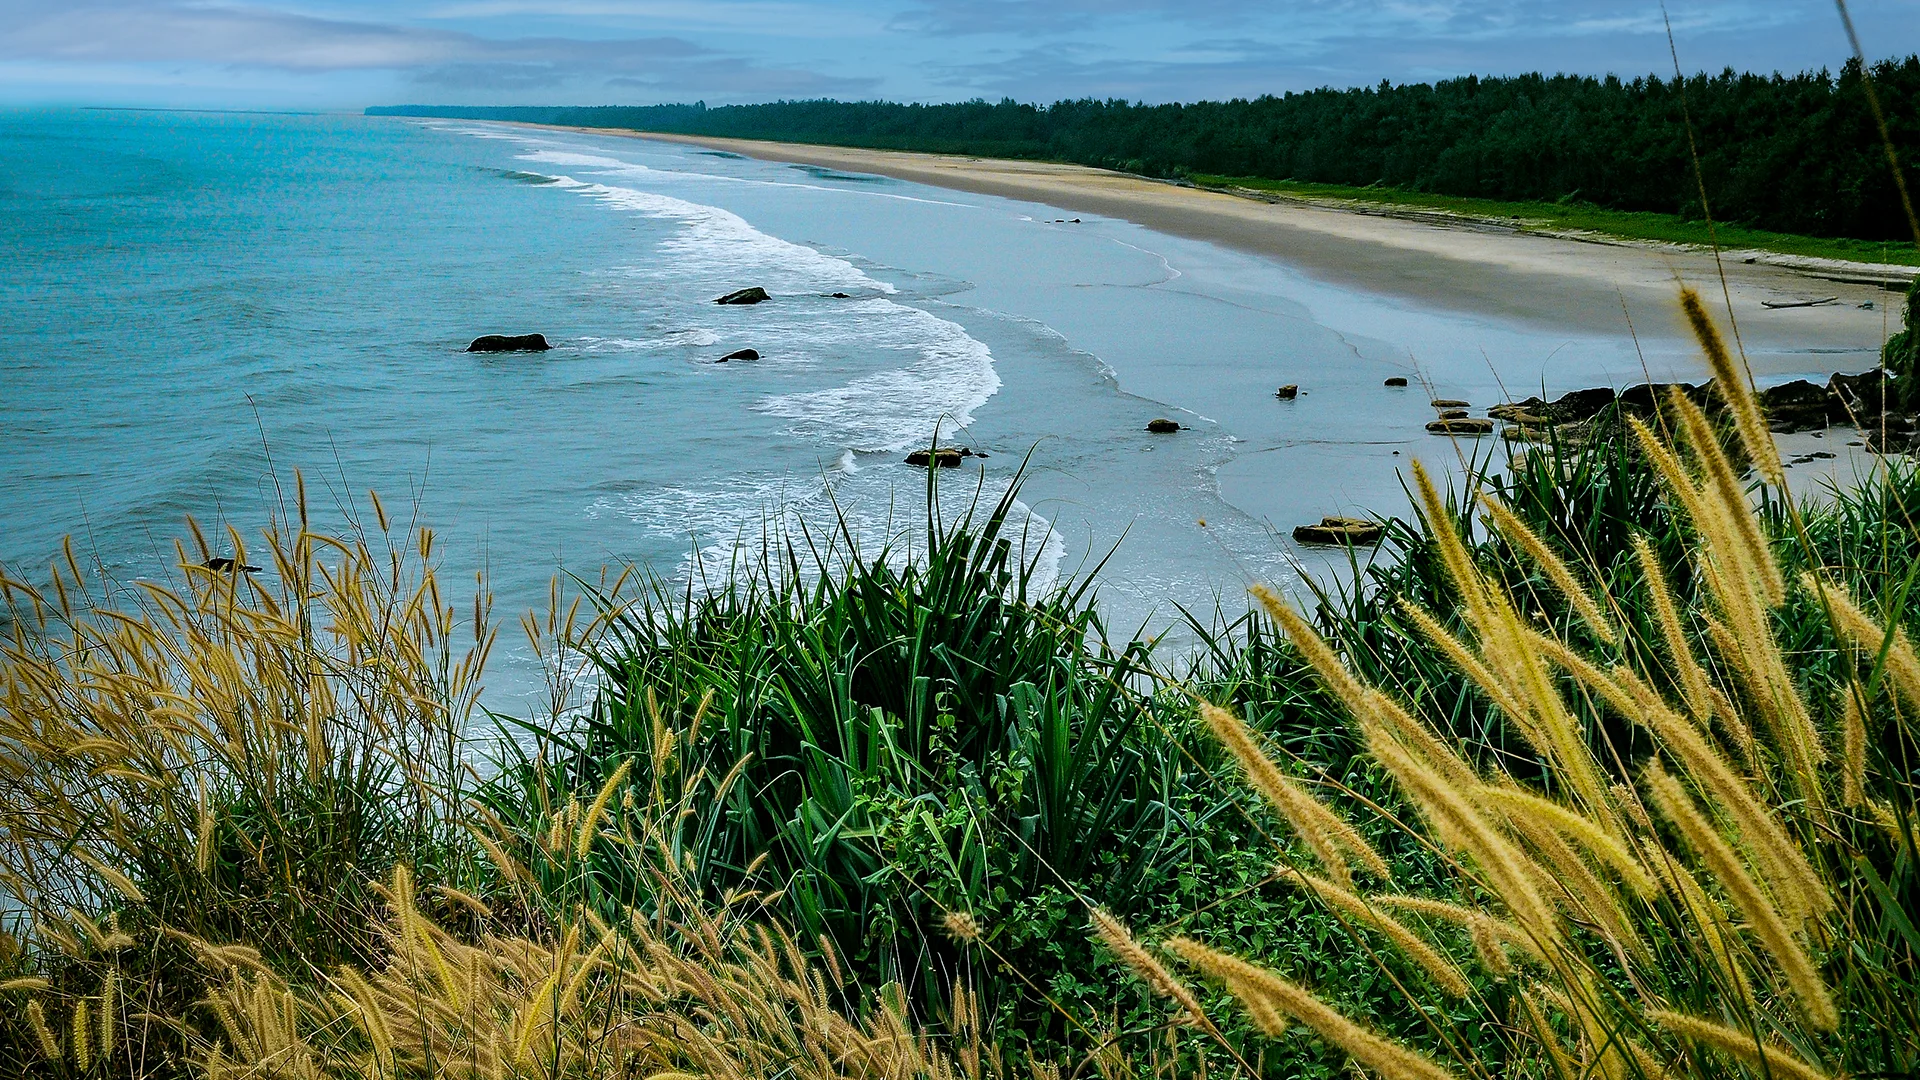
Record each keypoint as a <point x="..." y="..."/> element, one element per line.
<point x="347" y="54"/>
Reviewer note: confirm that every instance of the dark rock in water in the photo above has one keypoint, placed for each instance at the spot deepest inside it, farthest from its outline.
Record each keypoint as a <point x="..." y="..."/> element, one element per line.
<point x="1162" y="426"/>
<point x="1396" y="380"/>
<point x="945" y="457"/>
<point x="1580" y="404"/>
<point x="1508" y="410"/>
<point x="1287" y="392"/>
<point x="1453" y="414"/>
<point x="220" y="564"/>
<point x="750" y="295"/>
<point x="1340" y="530"/>
<point x="510" y="343"/>
<point x="1447" y="403"/>
<point x="840" y="296"/>
<point x="1468" y="425"/>
<point x="739" y="354"/>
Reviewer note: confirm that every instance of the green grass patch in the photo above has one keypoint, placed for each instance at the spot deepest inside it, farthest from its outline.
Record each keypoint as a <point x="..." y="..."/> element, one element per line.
<point x="1572" y="214"/>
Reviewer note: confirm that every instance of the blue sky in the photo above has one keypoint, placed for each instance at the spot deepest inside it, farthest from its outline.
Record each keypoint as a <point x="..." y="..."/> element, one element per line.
<point x="350" y="53"/>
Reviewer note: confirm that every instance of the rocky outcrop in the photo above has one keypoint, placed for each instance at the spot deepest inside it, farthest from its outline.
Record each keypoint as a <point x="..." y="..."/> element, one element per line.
<point x="739" y="354"/>
<point x="1796" y="406"/>
<point x="1287" y="392"/>
<point x="510" y="343"/>
<point x="1343" y="531"/>
<point x="1160" y="425"/>
<point x="753" y="294"/>
<point x="1860" y="397"/>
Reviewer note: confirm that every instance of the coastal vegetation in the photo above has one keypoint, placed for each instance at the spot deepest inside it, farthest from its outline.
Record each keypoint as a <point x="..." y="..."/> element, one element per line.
<point x="1790" y="154"/>
<point x="1601" y="764"/>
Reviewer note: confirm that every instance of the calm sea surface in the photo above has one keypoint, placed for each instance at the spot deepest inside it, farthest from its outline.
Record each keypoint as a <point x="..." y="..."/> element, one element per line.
<point x="196" y="304"/>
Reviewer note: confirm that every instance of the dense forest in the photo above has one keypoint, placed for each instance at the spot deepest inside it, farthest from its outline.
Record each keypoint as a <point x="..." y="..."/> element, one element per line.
<point x="1790" y="153"/>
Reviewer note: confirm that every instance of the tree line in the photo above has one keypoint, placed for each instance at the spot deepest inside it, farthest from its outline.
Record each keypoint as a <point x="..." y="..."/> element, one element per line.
<point x="1791" y="153"/>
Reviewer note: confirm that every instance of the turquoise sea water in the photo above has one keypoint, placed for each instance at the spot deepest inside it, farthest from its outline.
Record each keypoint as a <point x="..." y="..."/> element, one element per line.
<point x="197" y="304"/>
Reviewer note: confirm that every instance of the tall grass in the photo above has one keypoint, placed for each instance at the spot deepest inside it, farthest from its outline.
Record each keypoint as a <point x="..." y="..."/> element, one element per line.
<point x="1606" y="767"/>
<point x="1694" y="852"/>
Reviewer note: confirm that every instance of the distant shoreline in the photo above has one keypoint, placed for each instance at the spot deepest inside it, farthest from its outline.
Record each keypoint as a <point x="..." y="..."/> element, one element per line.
<point x="1568" y="282"/>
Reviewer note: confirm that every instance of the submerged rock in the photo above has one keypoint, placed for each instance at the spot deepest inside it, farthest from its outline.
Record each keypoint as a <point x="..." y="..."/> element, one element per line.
<point x="510" y="343"/>
<point x="1396" y="380"/>
<point x="1510" y="409"/>
<point x="1287" y="392"/>
<point x="1447" y="403"/>
<point x="753" y="294"/>
<point x="1453" y="414"/>
<point x="944" y="457"/>
<point x="739" y="354"/>
<point x="1465" y="425"/>
<point x="1162" y="426"/>
<point x="1340" y="530"/>
<point x="220" y="564"/>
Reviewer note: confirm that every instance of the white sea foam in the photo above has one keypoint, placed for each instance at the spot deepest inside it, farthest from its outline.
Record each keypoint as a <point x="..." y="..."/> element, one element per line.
<point x="897" y="409"/>
<point x="715" y="241"/>
<point x="731" y="524"/>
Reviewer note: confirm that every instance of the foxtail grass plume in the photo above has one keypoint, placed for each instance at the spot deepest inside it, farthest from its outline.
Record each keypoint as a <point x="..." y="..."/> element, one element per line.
<point x="1334" y="842"/>
<point x="1763" y="919"/>
<point x="1387" y="1059"/>
<point x="1125" y="948"/>
<point x="1735" y="388"/>
<point x="1556" y="569"/>
<point x="1769" y="1058"/>
<point x="1442" y="970"/>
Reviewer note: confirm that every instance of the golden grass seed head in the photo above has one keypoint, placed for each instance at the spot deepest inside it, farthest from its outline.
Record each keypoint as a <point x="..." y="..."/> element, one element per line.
<point x="961" y="926"/>
<point x="1763" y="918"/>
<point x="1125" y="948"/>
<point x="1735" y="388"/>
<point x="1770" y="1057"/>
<point x="37" y="1019"/>
<point x="1556" y="568"/>
<point x="1387" y="1059"/>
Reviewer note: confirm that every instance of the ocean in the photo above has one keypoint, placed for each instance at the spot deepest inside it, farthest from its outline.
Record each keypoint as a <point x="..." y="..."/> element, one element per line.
<point x="199" y="304"/>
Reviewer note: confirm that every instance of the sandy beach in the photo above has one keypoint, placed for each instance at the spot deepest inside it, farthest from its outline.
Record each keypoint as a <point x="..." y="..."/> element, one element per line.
<point x="1475" y="267"/>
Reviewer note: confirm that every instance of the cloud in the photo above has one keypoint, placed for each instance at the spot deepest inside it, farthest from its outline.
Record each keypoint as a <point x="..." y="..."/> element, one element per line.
<point x="123" y="32"/>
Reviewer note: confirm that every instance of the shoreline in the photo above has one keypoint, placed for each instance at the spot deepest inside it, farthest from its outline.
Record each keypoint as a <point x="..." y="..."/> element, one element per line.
<point x="1468" y="266"/>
